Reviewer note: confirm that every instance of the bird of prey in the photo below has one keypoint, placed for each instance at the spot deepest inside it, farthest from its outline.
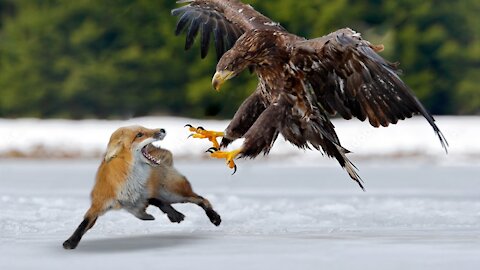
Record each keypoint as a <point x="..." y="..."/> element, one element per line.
<point x="301" y="82"/>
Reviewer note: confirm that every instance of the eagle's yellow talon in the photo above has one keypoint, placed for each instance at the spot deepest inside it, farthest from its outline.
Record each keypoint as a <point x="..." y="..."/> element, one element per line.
<point x="201" y="133"/>
<point x="197" y="136"/>
<point x="229" y="156"/>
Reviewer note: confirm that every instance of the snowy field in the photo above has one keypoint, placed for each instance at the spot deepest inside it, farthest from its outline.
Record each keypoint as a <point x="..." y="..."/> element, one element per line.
<point x="292" y="210"/>
<point x="275" y="215"/>
<point x="88" y="138"/>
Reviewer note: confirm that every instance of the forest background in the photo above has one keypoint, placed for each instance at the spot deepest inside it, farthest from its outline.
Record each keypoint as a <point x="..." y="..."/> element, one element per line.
<point x="118" y="59"/>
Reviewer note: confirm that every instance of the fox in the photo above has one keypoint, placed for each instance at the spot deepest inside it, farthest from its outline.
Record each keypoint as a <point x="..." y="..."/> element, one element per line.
<point x="134" y="174"/>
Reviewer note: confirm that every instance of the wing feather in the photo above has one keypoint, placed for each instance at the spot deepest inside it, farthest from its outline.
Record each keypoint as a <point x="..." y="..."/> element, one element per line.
<point x="205" y="38"/>
<point x="351" y="79"/>
<point x="219" y="38"/>
<point x="192" y="32"/>
<point x="226" y="20"/>
<point x="182" y="22"/>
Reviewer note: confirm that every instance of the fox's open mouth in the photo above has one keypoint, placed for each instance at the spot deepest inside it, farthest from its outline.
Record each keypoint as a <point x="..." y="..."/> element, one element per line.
<point x="147" y="155"/>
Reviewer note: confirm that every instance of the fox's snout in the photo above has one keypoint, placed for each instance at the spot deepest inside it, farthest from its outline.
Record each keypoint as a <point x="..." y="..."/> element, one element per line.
<point x="160" y="134"/>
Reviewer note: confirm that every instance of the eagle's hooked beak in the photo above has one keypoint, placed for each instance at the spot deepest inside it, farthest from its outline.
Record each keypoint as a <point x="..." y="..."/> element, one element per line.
<point x="221" y="77"/>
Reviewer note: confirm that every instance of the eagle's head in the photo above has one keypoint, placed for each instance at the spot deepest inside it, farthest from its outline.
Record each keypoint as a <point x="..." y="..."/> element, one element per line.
<point x="253" y="48"/>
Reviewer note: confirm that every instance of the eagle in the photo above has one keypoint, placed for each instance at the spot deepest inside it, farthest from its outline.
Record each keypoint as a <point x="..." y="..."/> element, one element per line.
<point x="301" y="82"/>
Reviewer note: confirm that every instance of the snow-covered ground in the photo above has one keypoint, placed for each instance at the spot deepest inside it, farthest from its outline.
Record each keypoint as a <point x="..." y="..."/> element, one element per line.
<point x="88" y="138"/>
<point x="292" y="210"/>
<point x="414" y="215"/>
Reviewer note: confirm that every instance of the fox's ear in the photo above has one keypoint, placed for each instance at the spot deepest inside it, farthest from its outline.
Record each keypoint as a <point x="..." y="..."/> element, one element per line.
<point x="112" y="150"/>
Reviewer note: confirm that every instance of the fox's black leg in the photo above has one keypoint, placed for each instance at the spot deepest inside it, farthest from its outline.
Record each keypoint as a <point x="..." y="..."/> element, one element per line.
<point x="73" y="241"/>
<point x="207" y="206"/>
<point x="172" y="214"/>
<point x="212" y="215"/>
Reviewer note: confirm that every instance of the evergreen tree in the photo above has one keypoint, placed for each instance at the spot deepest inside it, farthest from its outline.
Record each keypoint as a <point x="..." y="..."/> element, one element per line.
<point x="119" y="58"/>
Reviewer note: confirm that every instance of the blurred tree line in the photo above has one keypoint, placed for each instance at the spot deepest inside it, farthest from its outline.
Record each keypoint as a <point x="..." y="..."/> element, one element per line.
<point x="120" y="58"/>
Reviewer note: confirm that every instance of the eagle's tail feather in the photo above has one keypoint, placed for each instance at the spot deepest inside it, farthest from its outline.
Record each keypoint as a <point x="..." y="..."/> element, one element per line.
<point x="320" y="133"/>
<point x="349" y="166"/>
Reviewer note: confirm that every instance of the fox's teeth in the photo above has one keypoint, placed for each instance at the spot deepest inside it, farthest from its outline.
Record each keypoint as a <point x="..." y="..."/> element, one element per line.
<point x="150" y="157"/>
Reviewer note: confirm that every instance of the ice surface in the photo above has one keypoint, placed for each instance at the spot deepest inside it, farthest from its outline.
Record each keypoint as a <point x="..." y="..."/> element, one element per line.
<point x="275" y="216"/>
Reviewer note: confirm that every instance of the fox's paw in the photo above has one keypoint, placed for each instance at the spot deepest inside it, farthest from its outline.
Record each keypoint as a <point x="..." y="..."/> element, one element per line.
<point x="214" y="217"/>
<point x="176" y="217"/>
<point x="69" y="244"/>
<point x="145" y="216"/>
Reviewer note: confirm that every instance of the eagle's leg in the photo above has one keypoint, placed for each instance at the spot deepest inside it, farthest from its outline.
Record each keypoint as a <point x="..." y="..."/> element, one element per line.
<point x="263" y="133"/>
<point x="229" y="156"/>
<point x="260" y="136"/>
<point x="244" y="118"/>
<point x="201" y="133"/>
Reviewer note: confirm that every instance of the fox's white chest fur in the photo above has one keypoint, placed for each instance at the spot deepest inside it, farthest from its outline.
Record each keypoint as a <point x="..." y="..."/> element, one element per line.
<point x="134" y="191"/>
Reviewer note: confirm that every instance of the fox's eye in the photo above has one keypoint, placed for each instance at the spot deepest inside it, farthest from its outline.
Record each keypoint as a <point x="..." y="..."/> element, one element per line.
<point x="139" y="135"/>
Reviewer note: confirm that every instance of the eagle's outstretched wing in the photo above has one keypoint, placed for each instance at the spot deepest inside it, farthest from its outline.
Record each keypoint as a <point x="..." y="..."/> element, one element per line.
<point x="228" y="20"/>
<point x="351" y="79"/>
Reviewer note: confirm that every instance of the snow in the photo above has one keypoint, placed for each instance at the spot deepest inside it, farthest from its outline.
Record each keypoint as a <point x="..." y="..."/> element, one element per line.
<point x="414" y="215"/>
<point x="291" y="210"/>
<point x="88" y="138"/>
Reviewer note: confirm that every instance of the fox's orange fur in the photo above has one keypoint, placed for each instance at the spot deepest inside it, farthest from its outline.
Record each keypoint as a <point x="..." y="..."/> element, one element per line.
<point x="134" y="174"/>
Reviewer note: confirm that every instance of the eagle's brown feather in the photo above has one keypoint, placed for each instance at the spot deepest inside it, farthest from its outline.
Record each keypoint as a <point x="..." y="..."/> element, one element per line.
<point x="350" y="78"/>
<point x="301" y="81"/>
<point x="226" y="19"/>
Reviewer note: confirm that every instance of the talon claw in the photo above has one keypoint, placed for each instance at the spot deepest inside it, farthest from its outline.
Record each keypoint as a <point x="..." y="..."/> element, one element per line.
<point x="201" y="133"/>
<point x="229" y="156"/>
